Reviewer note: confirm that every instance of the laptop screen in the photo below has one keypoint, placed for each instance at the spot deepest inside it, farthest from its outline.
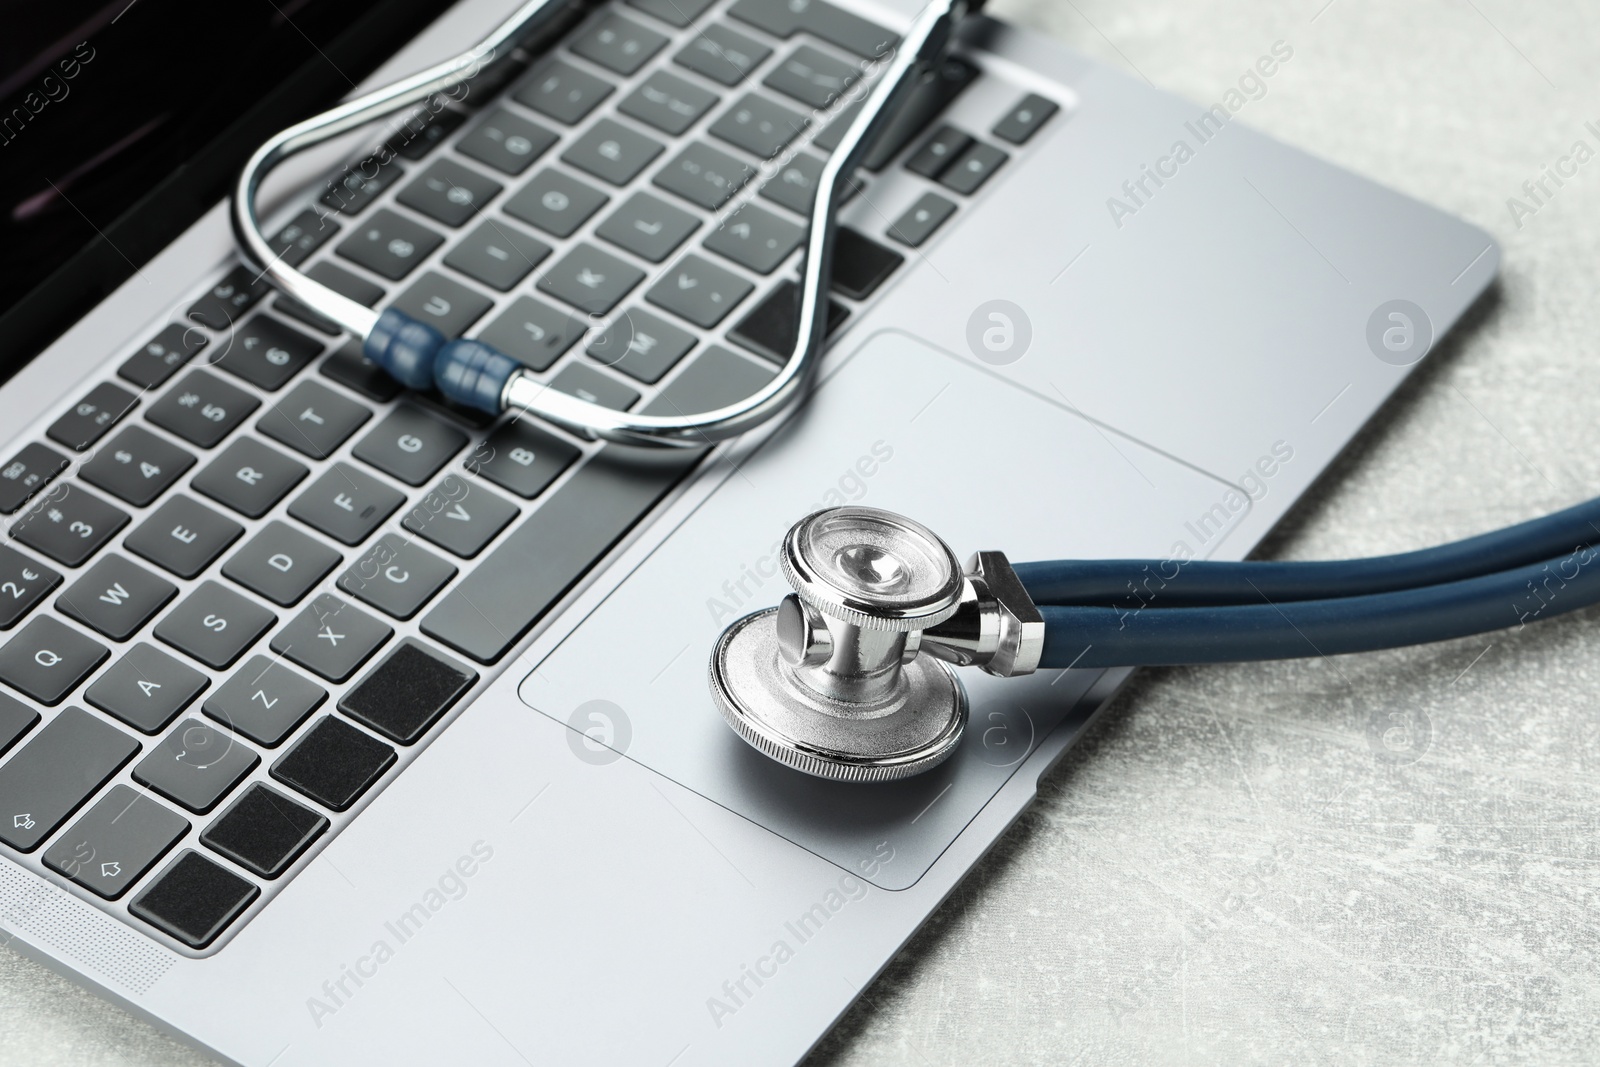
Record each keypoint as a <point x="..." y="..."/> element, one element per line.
<point x="122" y="122"/>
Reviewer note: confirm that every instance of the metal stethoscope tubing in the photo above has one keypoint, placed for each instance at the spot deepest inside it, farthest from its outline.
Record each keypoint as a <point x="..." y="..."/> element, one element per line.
<point x="474" y="374"/>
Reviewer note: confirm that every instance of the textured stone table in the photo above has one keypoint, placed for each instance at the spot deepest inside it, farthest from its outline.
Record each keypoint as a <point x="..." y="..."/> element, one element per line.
<point x="1389" y="858"/>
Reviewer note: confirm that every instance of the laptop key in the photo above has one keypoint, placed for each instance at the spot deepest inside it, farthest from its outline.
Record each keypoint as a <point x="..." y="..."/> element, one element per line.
<point x="264" y="831"/>
<point x="403" y="696"/>
<point x="29" y="471"/>
<point x="459" y="517"/>
<point x="16" y="719"/>
<point x="795" y="186"/>
<point x="46" y="660"/>
<point x="619" y="44"/>
<point x="722" y="54"/>
<point x="497" y="254"/>
<point x="716" y="378"/>
<point x="590" y="280"/>
<point x="449" y="192"/>
<point x="265" y="701"/>
<point x="758" y="125"/>
<point x="648" y="226"/>
<point x="92" y="417"/>
<point x="507" y="142"/>
<point x="562" y="91"/>
<point x="586" y="383"/>
<point x="23" y="583"/>
<point x="195" y="765"/>
<point x="699" y="291"/>
<point x="183" y="536"/>
<point x="115" y="597"/>
<point x="704" y="175"/>
<point x="51" y="776"/>
<point x="396" y="576"/>
<point x="345" y="283"/>
<point x="410" y="445"/>
<point x="921" y="219"/>
<point x="249" y="477"/>
<point x="421" y="134"/>
<point x="146" y="688"/>
<point x="331" y="638"/>
<point x="612" y="152"/>
<point x="345" y="503"/>
<point x="974" y="168"/>
<point x="389" y="244"/>
<point x="215" y="625"/>
<point x="769" y="330"/>
<point x="668" y="102"/>
<point x="194" y="899"/>
<point x="230" y="298"/>
<point x="351" y="369"/>
<point x="313" y="419"/>
<point x="533" y="332"/>
<point x="640" y="345"/>
<point x="305" y="233"/>
<point x="943" y="147"/>
<point x="447" y="306"/>
<point x="162" y="356"/>
<point x="1025" y="118"/>
<point x="69" y="524"/>
<point x="812" y="77"/>
<point x="861" y="264"/>
<point x="202" y="409"/>
<point x="137" y="466"/>
<point x="116" y="842"/>
<point x="754" y="237"/>
<point x="555" y="203"/>
<point x="361" y="184"/>
<point x="522" y="457"/>
<point x="784" y="18"/>
<point x="677" y="13"/>
<point x="334" y="763"/>
<point x="281" y="563"/>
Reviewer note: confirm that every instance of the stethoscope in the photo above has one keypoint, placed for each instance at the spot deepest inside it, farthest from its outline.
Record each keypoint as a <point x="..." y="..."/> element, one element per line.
<point x="851" y="677"/>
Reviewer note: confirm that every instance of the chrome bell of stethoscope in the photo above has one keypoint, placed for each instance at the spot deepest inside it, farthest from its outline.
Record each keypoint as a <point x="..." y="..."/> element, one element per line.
<point x="834" y="681"/>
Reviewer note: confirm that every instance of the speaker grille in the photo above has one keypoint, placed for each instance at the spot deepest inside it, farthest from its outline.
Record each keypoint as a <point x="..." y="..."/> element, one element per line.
<point x="52" y="919"/>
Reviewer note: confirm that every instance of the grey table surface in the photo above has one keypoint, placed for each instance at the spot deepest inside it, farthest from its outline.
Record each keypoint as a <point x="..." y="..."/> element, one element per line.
<point x="1387" y="858"/>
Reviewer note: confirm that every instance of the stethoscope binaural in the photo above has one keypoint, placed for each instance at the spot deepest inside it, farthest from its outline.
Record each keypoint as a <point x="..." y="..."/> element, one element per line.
<point x="851" y="676"/>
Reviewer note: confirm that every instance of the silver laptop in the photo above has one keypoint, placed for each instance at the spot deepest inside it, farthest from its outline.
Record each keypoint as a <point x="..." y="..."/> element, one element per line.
<point x="340" y="726"/>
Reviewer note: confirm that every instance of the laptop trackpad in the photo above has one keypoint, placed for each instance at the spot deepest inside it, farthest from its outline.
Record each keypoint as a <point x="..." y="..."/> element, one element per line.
<point x="903" y="426"/>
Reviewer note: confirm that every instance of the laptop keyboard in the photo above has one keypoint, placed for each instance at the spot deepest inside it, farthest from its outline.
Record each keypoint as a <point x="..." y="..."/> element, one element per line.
<point x="246" y="579"/>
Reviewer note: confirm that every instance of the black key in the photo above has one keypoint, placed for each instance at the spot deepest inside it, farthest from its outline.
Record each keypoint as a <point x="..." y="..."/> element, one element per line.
<point x="350" y="368"/>
<point x="69" y="524"/>
<point x="50" y="777"/>
<point x="590" y="280"/>
<point x="344" y="283"/>
<point x="281" y="563"/>
<point x="861" y="264"/>
<point x="403" y="696"/>
<point x="704" y="175"/>
<point x="264" y="831"/>
<point x="23" y="583"/>
<point x="304" y="315"/>
<point x="699" y="290"/>
<point x="974" y="167"/>
<point x="162" y="356"/>
<point x="92" y="416"/>
<point x="618" y="44"/>
<point x="331" y="638"/>
<point x="115" y="597"/>
<point x="396" y="576"/>
<point x="677" y="13"/>
<point x="522" y="458"/>
<point x="194" y="900"/>
<point x="812" y="77"/>
<point x="313" y="419"/>
<point x="389" y="244"/>
<point x="29" y="471"/>
<point x="784" y="18"/>
<point x="116" y="842"/>
<point x="756" y="238"/>
<point x="195" y="765"/>
<point x="717" y="377"/>
<point x="306" y="232"/>
<point x="16" y="719"/>
<point x="640" y="345"/>
<point x="202" y="409"/>
<point x="449" y="192"/>
<point x="943" y="147"/>
<point x="921" y="219"/>
<point x="334" y="763"/>
<point x="648" y="227"/>
<point x="562" y="91"/>
<point x="613" y="152"/>
<point x="346" y="504"/>
<point x="409" y="445"/>
<point x="795" y="186"/>
<point x="447" y="306"/>
<point x="1025" y="118"/>
<point x="586" y="383"/>
<point x="265" y="700"/>
<point x="249" y="477"/>
<point x="146" y="688"/>
<point x="360" y="185"/>
<point x="928" y="99"/>
<point x="758" y="125"/>
<point x="47" y="659"/>
<point x="228" y="299"/>
<point x="419" y="134"/>
<point x="507" y="142"/>
<point x="722" y="54"/>
<point x="183" y="536"/>
<point x="497" y="254"/>
<point x="137" y="466"/>
<point x="459" y="517"/>
<point x="215" y="625"/>
<point x="555" y="203"/>
<point x="533" y="332"/>
<point x="668" y="102"/>
<point x="503" y="596"/>
<point x="770" y="329"/>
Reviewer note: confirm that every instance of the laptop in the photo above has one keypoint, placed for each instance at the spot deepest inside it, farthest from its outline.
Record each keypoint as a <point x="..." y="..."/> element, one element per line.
<point x="338" y="725"/>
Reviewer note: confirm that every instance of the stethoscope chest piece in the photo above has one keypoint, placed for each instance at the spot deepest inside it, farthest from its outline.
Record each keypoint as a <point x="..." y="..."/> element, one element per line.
<point x="830" y="681"/>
